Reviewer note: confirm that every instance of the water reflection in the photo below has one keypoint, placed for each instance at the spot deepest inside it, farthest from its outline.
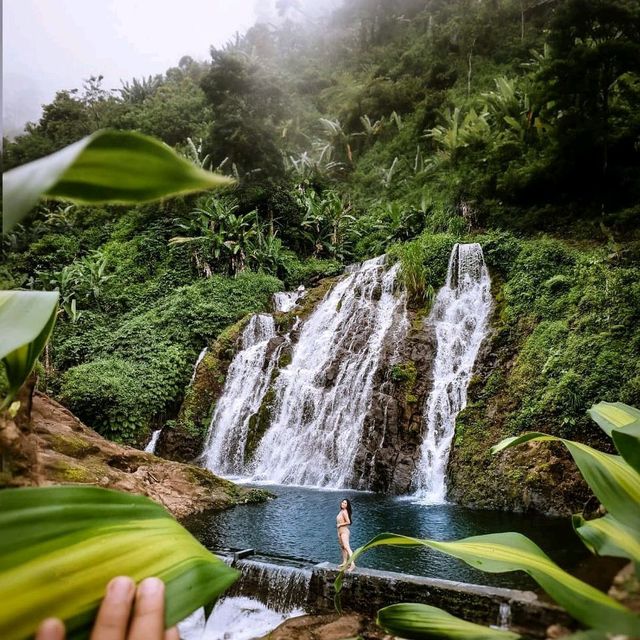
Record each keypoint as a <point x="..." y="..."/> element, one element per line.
<point x="300" y="524"/>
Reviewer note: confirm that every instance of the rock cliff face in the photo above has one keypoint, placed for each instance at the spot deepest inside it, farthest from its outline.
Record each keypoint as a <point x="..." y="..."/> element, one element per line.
<point x="390" y="447"/>
<point x="393" y="428"/>
<point x="538" y="477"/>
<point x="52" y="446"/>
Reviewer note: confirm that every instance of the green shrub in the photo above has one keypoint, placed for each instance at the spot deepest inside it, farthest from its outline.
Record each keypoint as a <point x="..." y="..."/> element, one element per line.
<point x="136" y="371"/>
<point x="307" y="272"/>
<point x="423" y="265"/>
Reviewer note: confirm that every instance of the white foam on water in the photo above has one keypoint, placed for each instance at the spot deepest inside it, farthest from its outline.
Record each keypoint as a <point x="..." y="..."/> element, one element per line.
<point x="237" y="618"/>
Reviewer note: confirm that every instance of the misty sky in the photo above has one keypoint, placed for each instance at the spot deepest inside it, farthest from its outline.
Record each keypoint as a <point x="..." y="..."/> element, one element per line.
<point x="49" y="45"/>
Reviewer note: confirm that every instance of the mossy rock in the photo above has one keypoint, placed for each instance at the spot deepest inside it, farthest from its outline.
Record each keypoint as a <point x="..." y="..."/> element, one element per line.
<point x="259" y="423"/>
<point x="71" y="446"/>
<point x="68" y="472"/>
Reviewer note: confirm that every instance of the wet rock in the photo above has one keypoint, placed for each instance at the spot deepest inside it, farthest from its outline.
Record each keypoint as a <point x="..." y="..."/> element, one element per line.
<point x="332" y="626"/>
<point x="67" y="451"/>
<point x="390" y="448"/>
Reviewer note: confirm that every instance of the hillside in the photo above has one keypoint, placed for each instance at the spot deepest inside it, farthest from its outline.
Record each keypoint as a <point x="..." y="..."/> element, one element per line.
<point x="386" y="127"/>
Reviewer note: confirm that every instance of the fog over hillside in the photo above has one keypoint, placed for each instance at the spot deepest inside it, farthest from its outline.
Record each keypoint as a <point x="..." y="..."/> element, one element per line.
<point x="52" y="46"/>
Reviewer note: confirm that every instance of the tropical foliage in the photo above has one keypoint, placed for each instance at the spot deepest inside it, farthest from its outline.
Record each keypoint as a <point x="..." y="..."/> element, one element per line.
<point x="615" y="483"/>
<point x="84" y="536"/>
<point x="73" y="545"/>
<point x="388" y="127"/>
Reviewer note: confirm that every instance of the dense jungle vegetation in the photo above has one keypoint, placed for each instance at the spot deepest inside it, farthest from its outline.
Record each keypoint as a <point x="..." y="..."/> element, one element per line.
<point x="392" y="126"/>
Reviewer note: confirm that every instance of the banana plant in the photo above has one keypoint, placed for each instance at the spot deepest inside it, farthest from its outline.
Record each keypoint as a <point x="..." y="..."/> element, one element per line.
<point x="60" y="546"/>
<point x="616" y="483"/>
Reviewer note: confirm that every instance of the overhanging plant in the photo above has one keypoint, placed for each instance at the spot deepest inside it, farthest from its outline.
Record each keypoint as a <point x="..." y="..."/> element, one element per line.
<point x="59" y="546"/>
<point x="615" y="481"/>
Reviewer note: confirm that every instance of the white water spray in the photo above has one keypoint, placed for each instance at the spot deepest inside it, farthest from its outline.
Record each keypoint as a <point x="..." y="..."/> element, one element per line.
<point x="247" y="381"/>
<point x="323" y="396"/>
<point x="460" y="314"/>
<point x="151" y="446"/>
<point x="195" y="366"/>
<point x="285" y="301"/>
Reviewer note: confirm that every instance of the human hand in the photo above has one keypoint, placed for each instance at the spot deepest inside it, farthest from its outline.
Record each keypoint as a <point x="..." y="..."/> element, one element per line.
<point x="115" y="620"/>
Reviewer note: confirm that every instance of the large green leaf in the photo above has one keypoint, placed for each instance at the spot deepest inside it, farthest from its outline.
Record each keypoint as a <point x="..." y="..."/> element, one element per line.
<point x="60" y="546"/>
<point x="26" y="322"/>
<point x="501" y="552"/>
<point x="107" y="166"/>
<point x="421" y="621"/>
<point x="622" y="423"/>
<point x="608" y="537"/>
<point x="612" y="480"/>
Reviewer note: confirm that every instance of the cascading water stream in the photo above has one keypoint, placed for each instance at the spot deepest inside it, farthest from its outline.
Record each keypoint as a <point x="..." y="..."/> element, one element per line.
<point x="322" y="397"/>
<point x="195" y="366"/>
<point x="246" y="384"/>
<point x="459" y="315"/>
<point x="285" y="301"/>
<point x="281" y="587"/>
<point x="151" y="446"/>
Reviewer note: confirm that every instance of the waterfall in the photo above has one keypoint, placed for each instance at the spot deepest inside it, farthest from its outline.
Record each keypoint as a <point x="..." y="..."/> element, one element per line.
<point x="247" y="382"/>
<point x="195" y="366"/>
<point x="504" y="616"/>
<point x="151" y="446"/>
<point x="285" y="301"/>
<point x="460" y="314"/>
<point x="322" y="396"/>
<point x="282" y="588"/>
<point x="237" y="618"/>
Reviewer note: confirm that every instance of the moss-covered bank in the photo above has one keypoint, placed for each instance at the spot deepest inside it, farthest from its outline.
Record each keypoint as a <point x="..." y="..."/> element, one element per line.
<point x="565" y="334"/>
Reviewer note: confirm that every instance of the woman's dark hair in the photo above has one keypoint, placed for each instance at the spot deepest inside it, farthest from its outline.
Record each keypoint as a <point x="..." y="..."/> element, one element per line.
<point x="348" y="510"/>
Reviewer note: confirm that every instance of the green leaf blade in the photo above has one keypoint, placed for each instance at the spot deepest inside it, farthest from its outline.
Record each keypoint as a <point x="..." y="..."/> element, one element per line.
<point x="26" y="322"/>
<point x="424" y="622"/>
<point x="107" y="166"/>
<point x="622" y="423"/>
<point x="608" y="537"/>
<point x="502" y="552"/>
<point x="63" y="571"/>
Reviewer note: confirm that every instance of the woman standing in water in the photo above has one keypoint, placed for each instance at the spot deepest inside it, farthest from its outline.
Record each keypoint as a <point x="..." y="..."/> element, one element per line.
<point x="343" y="522"/>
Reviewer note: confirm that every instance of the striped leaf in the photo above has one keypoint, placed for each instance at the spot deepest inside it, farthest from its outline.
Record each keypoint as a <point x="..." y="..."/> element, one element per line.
<point x="612" y="480"/>
<point x="26" y="322"/>
<point x="60" y="546"/>
<point x="622" y="423"/>
<point x="107" y="166"/>
<point x="608" y="537"/>
<point x="501" y="552"/>
<point x="422" y="622"/>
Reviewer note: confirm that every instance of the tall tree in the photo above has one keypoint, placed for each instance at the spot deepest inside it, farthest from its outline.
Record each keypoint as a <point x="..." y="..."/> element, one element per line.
<point x="595" y="46"/>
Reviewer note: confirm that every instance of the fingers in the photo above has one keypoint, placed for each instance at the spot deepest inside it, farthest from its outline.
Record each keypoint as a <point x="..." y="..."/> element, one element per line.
<point x="113" y="616"/>
<point x="51" y="629"/>
<point x="172" y="634"/>
<point x="112" y="621"/>
<point x="148" y="613"/>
